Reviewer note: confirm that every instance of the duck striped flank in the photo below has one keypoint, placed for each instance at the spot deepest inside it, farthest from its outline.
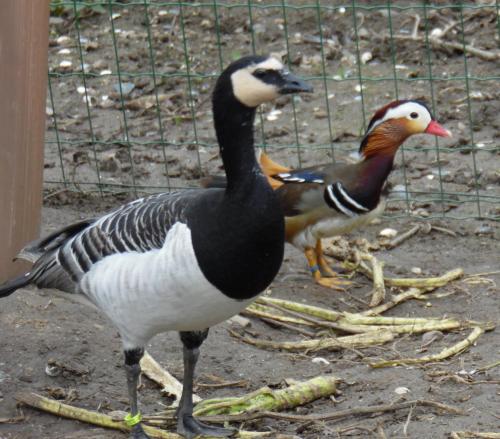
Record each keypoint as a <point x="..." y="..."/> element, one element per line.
<point x="337" y="197"/>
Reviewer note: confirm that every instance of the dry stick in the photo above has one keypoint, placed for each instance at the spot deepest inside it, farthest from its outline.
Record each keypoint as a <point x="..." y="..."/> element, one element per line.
<point x="403" y="237"/>
<point x="274" y="322"/>
<point x="315" y="311"/>
<point x="263" y="311"/>
<point x="488" y="366"/>
<point x="13" y="420"/>
<point x="303" y="316"/>
<point x="469" y="17"/>
<point x="445" y="353"/>
<point x="412" y="293"/>
<point x="381" y="432"/>
<point x="337" y="415"/>
<point x="152" y="369"/>
<point x="414" y="32"/>
<point x="240" y="383"/>
<point x="360" y="324"/>
<point x="483" y="54"/>
<point x="265" y="399"/>
<point x="432" y="325"/>
<point x="443" y="230"/>
<point x="428" y="283"/>
<point x="378" y="293"/>
<point x="347" y="342"/>
<point x="408" y="419"/>
<point x="298" y="318"/>
<point x="361" y="319"/>
<point x="68" y="411"/>
<point x="474" y="435"/>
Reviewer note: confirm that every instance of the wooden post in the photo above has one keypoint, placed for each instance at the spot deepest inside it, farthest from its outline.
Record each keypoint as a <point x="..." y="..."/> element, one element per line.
<point x="24" y="33"/>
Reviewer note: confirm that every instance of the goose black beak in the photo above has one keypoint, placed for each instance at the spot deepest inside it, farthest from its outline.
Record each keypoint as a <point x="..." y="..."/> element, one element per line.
<point x="294" y="84"/>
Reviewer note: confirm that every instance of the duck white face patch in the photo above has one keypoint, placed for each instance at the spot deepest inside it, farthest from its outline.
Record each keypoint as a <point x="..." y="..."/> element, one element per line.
<point x="249" y="90"/>
<point x="417" y="113"/>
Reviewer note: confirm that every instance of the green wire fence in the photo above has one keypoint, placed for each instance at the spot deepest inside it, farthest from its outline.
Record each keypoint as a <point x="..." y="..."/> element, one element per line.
<point x="129" y="92"/>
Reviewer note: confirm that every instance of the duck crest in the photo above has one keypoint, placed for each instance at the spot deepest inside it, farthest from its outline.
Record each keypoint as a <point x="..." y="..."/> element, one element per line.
<point x="384" y="140"/>
<point x="381" y="112"/>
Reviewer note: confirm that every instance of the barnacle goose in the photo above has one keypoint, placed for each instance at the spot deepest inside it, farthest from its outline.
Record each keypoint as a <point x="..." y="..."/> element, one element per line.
<point x="181" y="261"/>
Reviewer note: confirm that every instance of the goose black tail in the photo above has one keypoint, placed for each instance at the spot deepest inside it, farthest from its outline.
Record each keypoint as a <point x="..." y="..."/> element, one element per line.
<point x="7" y="288"/>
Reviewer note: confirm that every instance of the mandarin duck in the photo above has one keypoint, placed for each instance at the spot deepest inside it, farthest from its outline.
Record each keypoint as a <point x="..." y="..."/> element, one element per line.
<point x="332" y="199"/>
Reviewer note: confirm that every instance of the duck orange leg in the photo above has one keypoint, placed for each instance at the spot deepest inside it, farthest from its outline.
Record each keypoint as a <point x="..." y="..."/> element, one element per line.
<point x="325" y="266"/>
<point x="315" y="265"/>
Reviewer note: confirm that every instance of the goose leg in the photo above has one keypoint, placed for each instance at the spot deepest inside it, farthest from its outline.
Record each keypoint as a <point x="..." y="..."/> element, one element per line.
<point x="316" y="264"/>
<point x="187" y="425"/>
<point x="133" y="370"/>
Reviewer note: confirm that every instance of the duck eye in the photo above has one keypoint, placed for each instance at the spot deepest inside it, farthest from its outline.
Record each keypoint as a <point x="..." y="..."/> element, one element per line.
<point x="260" y="73"/>
<point x="414" y="115"/>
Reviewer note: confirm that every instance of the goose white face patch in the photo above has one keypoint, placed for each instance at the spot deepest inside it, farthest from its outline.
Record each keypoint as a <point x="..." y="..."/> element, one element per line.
<point x="413" y="111"/>
<point x="249" y="90"/>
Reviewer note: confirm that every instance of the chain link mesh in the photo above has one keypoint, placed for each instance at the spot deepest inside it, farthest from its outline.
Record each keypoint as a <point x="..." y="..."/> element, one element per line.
<point x="129" y="92"/>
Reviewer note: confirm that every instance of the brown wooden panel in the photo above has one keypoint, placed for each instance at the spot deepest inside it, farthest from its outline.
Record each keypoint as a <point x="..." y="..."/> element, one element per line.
<point x="24" y="26"/>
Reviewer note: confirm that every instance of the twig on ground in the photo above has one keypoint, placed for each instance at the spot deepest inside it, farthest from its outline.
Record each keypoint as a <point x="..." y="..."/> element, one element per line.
<point x="412" y="293"/>
<point x="428" y="283"/>
<point x="443" y="230"/>
<point x="403" y="237"/>
<point x="264" y="312"/>
<point x="265" y="399"/>
<point x="378" y="292"/>
<point x="446" y="353"/>
<point x="488" y="366"/>
<point x="414" y="32"/>
<point x="474" y="435"/>
<point x="13" y="420"/>
<point x="152" y="369"/>
<point x="380" y="432"/>
<point x="336" y="415"/>
<point x="408" y="419"/>
<point x="71" y="412"/>
<point x="274" y="322"/>
<point x="350" y="341"/>
<point x="450" y="45"/>
<point x="315" y="311"/>
<point x="362" y="323"/>
<point x="67" y="411"/>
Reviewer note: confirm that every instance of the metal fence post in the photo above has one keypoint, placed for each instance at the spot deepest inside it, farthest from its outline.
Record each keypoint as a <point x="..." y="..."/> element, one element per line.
<point x="24" y="30"/>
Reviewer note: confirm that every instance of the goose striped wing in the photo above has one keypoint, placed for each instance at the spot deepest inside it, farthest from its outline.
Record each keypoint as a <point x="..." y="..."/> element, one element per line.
<point x="139" y="226"/>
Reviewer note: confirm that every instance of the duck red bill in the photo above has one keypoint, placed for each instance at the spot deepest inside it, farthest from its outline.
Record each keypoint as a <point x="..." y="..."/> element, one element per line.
<point x="437" y="129"/>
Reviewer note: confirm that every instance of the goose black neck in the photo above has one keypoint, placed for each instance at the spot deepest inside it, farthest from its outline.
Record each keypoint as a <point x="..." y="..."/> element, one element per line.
<point x="234" y="128"/>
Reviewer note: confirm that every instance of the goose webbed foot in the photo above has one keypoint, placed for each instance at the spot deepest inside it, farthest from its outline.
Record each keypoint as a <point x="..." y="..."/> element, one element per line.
<point x="190" y="427"/>
<point x="187" y="425"/>
<point x="138" y="433"/>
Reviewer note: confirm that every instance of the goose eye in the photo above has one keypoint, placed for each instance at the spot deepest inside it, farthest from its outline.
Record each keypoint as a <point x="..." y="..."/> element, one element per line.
<point x="260" y="73"/>
<point x="414" y="115"/>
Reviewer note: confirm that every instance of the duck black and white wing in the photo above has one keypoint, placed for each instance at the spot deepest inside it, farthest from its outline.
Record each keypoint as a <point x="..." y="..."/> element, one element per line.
<point x="62" y="258"/>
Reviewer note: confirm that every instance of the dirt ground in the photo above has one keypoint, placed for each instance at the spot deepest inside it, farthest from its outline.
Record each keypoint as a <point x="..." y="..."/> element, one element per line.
<point x="37" y="326"/>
